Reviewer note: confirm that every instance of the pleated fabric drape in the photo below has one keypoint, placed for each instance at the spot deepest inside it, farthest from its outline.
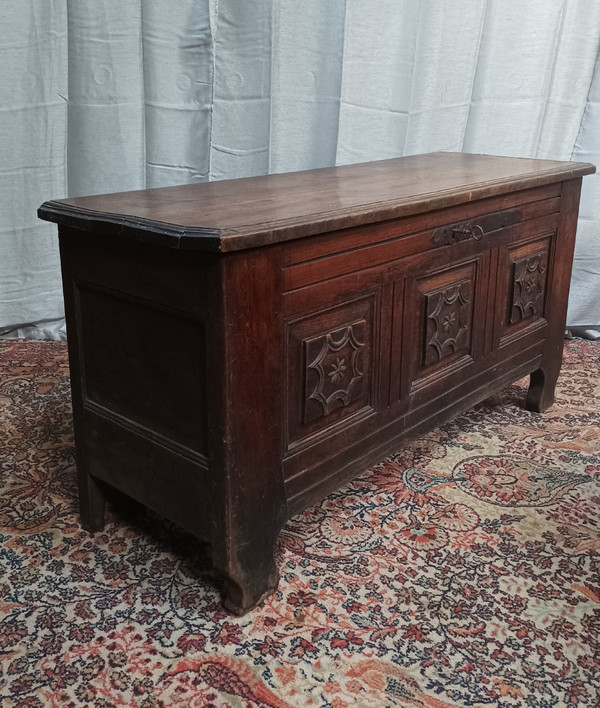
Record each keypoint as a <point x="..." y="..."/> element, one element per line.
<point x="105" y="95"/>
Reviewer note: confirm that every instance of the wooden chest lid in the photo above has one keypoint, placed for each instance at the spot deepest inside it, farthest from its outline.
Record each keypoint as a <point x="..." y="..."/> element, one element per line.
<point x="245" y="213"/>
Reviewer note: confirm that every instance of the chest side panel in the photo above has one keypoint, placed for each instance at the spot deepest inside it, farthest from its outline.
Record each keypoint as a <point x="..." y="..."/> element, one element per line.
<point x="139" y="346"/>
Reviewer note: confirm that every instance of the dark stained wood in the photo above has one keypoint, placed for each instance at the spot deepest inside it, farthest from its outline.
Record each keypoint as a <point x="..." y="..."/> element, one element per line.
<point x="91" y="494"/>
<point x="555" y="299"/>
<point x="359" y="237"/>
<point x="245" y="213"/>
<point x="239" y="349"/>
<point x="245" y="383"/>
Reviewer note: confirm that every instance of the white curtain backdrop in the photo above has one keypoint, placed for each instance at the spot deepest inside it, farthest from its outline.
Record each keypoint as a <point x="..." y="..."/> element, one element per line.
<point x="110" y="95"/>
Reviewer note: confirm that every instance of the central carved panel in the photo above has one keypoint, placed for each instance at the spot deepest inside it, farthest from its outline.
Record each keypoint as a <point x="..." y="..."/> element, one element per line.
<point x="334" y="375"/>
<point x="448" y="321"/>
<point x="529" y="285"/>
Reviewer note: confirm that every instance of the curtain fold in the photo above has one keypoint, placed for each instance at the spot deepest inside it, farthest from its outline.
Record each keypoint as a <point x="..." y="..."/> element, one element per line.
<point x="445" y="69"/>
<point x="308" y="42"/>
<point x="178" y="79"/>
<point x="241" y="125"/>
<point x="584" y="302"/>
<point x="104" y="96"/>
<point x="105" y="129"/>
<point x="377" y="80"/>
<point x="33" y="122"/>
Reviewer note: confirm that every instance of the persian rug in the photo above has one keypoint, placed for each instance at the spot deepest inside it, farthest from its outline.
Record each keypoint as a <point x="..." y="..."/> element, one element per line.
<point x="462" y="571"/>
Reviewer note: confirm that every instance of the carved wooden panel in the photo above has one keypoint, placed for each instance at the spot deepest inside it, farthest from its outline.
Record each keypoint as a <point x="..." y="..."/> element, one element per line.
<point x="525" y="281"/>
<point x="445" y="311"/>
<point x="529" y="276"/>
<point x="334" y="369"/>
<point x="448" y="327"/>
<point x="329" y="360"/>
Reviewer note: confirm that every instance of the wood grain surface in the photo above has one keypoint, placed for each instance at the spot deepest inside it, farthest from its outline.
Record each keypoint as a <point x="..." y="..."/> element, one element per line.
<point x="349" y="310"/>
<point x="253" y="211"/>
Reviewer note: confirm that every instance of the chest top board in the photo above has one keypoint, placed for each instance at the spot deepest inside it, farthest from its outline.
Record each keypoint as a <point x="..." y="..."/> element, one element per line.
<point x="239" y="349"/>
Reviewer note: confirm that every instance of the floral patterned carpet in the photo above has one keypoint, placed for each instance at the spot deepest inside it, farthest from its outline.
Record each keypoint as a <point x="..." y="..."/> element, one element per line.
<point x="462" y="571"/>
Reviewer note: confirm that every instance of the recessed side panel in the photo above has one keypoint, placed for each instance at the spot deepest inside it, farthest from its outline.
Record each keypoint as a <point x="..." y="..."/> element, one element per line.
<point x="144" y="364"/>
<point x="164" y="477"/>
<point x="448" y="323"/>
<point x="330" y="376"/>
<point x="528" y="287"/>
<point x="525" y="284"/>
<point x="334" y="373"/>
<point x="445" y="308"/>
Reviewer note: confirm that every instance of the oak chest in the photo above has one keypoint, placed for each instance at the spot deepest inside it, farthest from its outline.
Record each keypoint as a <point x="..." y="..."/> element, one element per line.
<point x="239" y="349"/>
